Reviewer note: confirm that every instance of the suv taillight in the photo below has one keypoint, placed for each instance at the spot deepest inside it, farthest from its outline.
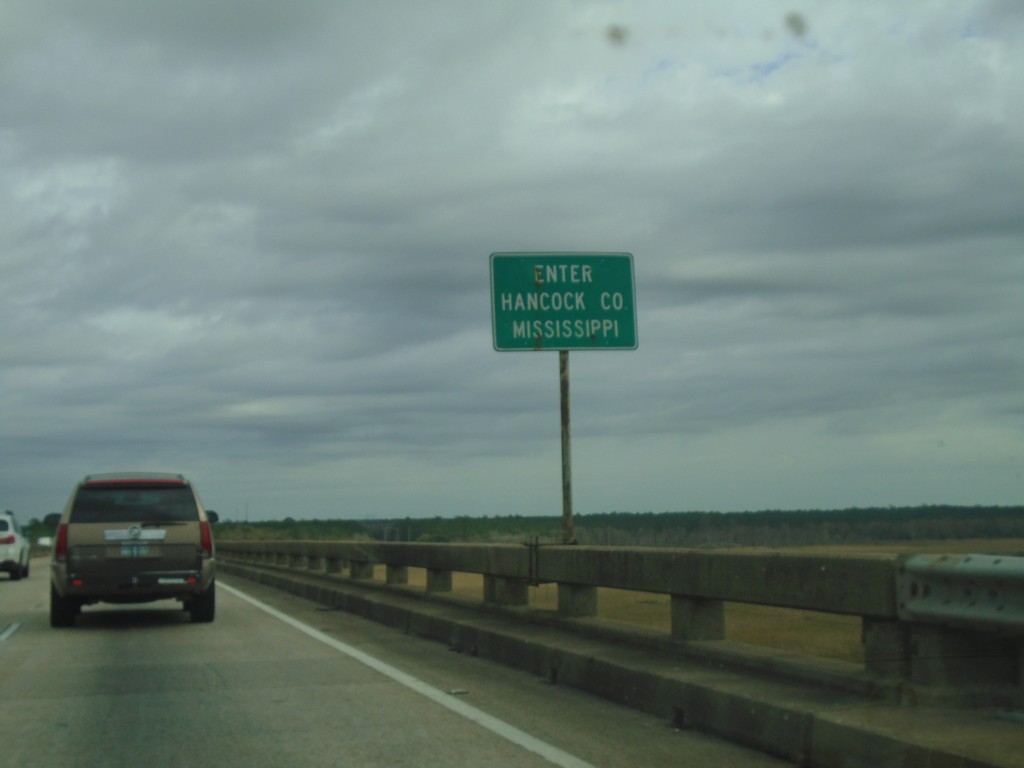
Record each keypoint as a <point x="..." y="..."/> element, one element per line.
<point x="60" y="546"/>
<point x="9" y="539"/>
<point x="206" y="539"/>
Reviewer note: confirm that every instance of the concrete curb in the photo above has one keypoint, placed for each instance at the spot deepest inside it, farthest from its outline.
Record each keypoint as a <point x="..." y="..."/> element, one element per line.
<point x="809" y="725"/>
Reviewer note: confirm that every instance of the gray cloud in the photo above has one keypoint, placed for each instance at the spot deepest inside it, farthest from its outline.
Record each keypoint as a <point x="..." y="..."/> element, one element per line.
<point x="250" y="242"/>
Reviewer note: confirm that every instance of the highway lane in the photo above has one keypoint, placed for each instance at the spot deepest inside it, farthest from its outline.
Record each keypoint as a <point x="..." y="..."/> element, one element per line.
<point x="133" y="685"/>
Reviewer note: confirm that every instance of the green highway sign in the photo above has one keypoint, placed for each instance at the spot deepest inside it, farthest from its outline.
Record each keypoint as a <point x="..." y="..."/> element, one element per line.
<point x="563" y="301"/>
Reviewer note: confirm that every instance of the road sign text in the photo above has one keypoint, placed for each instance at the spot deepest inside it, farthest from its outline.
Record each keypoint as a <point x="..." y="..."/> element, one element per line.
<point x="563" y="301"/>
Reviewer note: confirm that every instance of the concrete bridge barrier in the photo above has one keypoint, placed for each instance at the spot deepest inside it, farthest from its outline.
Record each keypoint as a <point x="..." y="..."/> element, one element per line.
<point x="944" y="628"/>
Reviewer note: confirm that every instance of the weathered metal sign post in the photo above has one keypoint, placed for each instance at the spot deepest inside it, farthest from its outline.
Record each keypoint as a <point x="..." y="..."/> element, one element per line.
<point x="563" y="301"/>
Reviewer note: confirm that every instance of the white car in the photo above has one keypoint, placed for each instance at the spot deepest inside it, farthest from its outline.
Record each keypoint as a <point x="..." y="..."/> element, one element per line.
<point x="14" y="549"/>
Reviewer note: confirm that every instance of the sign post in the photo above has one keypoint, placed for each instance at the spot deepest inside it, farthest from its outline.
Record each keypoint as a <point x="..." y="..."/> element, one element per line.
<point x="568" y="535"/>
<point x="563" y="301"/>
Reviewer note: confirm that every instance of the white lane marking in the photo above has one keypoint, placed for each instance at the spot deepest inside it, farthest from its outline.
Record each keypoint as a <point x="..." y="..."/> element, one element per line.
<point x="499" y="727"/>
<point x="10" y="630"/>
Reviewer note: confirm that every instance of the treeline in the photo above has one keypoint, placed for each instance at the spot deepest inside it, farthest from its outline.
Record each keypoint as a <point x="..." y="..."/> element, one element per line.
<point x="775" y="528"/>
<point x="770" y="528"/>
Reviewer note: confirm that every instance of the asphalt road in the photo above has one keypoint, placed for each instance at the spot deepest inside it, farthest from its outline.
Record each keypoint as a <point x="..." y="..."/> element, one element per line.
<point x="278" y="681"/>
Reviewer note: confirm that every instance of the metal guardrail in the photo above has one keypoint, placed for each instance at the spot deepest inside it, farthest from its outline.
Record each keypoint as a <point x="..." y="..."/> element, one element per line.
<point x="967" y="591"/>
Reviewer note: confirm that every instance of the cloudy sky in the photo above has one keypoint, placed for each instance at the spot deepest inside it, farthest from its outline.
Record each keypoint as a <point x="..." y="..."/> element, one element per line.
<point x="248" y="241"/>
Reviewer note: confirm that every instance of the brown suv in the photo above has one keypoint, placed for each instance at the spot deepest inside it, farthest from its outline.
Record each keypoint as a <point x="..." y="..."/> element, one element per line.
<point x="132" y="538"/>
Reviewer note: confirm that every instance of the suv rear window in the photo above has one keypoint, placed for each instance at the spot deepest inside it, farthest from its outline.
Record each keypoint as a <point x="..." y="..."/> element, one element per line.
<point x="3" y="525"/>
<point x="134" y="504"/>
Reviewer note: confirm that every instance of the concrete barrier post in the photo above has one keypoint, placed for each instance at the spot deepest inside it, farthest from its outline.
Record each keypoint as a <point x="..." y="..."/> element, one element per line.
<point x="695" y="618"/>
<point x="439" y="581"/>
<point x="1020" y="664"/>
<point x="397" y="574"/>
<point x="577" y="600"/>
<point x="360" y="570"/>
<point x="501" y="591"/>
<point x="1020" y="674"/>
<point x="886" y="648"/>
<point x="943" y="656"/>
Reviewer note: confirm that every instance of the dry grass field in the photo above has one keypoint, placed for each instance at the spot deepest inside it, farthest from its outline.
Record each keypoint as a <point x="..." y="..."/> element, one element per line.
<point x="806" y="632"/>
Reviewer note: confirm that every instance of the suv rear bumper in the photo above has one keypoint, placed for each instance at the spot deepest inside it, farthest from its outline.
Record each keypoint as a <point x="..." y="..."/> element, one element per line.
<point x="132" y="587"/>
<point x="10" y="556"/>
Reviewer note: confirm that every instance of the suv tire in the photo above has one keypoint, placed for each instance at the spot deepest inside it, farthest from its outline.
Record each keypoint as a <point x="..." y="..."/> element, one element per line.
<point x="203" y="607"/>
<point x="63" y="610"/>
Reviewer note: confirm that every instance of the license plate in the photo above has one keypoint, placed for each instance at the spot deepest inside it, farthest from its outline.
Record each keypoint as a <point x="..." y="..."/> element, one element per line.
<point x="135" y="550"/>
